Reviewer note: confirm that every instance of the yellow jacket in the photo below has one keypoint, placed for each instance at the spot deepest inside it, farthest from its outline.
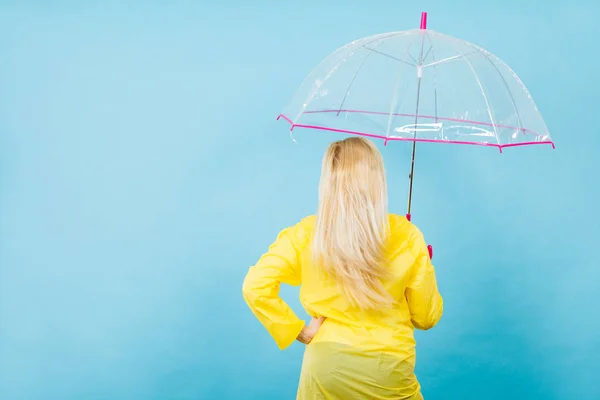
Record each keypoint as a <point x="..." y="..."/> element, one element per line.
<point x="289" y="260"/>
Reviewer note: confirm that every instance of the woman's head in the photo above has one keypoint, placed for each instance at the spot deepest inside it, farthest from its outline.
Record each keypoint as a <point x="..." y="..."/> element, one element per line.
<point x="352" y="221"/>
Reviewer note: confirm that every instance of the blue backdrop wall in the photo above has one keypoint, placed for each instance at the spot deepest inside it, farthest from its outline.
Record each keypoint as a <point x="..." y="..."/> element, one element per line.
<point x="142" y="172"/>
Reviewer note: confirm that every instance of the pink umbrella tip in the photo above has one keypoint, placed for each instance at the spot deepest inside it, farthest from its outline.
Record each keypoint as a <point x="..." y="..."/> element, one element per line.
<point x="423" y="20"/>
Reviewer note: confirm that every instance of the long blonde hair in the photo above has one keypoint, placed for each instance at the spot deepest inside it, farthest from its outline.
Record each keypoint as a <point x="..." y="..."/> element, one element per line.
<point x="352" y="222"/>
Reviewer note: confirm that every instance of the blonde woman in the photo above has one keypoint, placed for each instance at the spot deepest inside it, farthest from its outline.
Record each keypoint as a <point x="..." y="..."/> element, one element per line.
<point x="365" y="277"/>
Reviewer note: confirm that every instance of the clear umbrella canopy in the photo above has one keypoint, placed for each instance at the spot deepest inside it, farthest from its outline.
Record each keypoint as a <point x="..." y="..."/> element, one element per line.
<point x="420" y="86"/>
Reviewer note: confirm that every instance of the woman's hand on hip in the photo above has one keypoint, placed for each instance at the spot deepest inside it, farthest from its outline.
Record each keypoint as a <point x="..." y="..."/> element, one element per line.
<point x="308" y="332"/>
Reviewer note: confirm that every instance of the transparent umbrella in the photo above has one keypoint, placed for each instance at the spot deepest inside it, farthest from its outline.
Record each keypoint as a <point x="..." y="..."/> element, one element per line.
<point x="418" y="86"/>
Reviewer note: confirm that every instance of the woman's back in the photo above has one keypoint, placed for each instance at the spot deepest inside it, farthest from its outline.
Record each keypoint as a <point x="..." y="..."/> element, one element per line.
<point x="389" y="330"/>
<point x="365" y="273"/>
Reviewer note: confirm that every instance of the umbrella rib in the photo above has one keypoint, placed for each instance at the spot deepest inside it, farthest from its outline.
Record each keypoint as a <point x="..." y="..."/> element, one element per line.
<point x="311" y="97"/>
<point x="351" y="82"/>
<point x="443" y="61"/>
<point x="412" y="58"/>
<point x="512" y="99"/>
<point x="430" y="48"/>
<point x="356" y="73"/>
<point x="393" y="102"/>
<point x="528" y="96"/>
<point x="449" y="59"/>
<point x="389" y="56"/>
<point x="434" y="81"/>
<point x="482" y="93"/>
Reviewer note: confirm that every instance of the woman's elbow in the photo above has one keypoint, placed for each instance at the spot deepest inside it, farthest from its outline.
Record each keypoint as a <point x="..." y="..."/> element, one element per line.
<point x="249" y="286"/>
<point x="424" y="325"/>
<point x="430" y="321"/>
<point x="254" y="286"/>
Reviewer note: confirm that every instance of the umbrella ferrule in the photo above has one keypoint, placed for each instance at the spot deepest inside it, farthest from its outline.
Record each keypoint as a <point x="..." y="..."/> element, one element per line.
<point x="423" y="20"/>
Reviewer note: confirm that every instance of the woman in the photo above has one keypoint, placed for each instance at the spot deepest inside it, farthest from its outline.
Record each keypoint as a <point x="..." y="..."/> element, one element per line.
<point x="366" y="279"/>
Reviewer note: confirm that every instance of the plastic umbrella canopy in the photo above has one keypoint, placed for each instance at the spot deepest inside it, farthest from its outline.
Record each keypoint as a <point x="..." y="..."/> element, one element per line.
<point x="420" y="86"/>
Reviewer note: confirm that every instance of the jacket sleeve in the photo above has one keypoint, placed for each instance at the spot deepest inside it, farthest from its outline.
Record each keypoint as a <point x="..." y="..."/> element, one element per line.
<point x="280" y="264"/>
<point x="424" y="300"/>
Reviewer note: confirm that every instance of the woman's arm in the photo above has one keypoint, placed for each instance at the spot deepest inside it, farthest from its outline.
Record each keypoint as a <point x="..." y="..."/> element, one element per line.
<point x="261" y="288"/>
<point x="424" y="299"/>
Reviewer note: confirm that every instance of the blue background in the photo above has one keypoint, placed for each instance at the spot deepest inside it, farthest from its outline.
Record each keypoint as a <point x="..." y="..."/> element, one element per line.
<point x="142" y="172"/>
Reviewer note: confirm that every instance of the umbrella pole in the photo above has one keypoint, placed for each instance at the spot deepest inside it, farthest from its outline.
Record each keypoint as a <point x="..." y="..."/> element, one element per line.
<point x="414" y="145"/>
<point x="410" y="185"/>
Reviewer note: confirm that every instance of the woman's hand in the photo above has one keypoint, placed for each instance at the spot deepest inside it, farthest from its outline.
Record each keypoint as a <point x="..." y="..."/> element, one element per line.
<point x="308" y="332"/>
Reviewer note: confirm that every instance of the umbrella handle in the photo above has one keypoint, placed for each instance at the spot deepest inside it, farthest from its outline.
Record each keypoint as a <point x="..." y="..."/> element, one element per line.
<point x="429" y="247"/>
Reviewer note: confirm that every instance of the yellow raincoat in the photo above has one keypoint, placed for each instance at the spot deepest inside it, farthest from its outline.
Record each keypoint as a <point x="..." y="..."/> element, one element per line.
<point x="355" y="354"/>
